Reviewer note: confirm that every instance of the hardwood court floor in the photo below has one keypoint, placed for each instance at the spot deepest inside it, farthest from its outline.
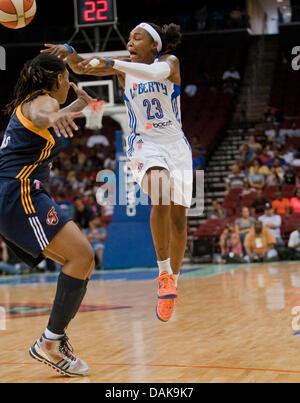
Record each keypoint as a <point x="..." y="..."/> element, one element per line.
<point x="234" y="325"/>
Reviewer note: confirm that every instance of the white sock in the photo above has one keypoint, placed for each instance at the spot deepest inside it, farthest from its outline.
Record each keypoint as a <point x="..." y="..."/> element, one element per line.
<point x="164" y="265"/>
<point x="176" y="279"/>
<point x="50" y="335"/>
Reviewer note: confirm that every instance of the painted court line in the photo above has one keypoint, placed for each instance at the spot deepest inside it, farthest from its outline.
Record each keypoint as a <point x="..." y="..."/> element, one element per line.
<point x="103" y="364"/>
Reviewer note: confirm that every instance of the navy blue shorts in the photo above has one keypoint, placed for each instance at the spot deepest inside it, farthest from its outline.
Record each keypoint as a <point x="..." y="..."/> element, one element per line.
<point x="29" y="218"/>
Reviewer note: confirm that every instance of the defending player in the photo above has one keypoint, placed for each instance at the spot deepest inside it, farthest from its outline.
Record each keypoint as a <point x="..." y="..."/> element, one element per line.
<point x="157" y="149"/>
<point x="30" y="222"/>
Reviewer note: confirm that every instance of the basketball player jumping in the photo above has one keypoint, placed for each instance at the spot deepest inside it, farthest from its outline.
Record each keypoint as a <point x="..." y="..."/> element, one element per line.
<point x="157" y="149"/>
<point x="31" y="223"/>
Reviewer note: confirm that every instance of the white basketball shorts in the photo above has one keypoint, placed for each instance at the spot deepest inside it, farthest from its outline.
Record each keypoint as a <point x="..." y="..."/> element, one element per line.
<point x="175" y="157"/>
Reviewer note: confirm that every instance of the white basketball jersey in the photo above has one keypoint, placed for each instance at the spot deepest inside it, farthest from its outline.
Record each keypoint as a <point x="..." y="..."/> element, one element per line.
<point x="153" y="109"/>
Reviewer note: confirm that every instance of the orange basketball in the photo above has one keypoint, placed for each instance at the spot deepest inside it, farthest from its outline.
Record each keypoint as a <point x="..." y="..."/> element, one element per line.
<point x="17" y="13"/>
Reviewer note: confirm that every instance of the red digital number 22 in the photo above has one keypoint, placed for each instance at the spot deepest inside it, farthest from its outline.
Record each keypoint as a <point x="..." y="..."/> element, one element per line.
<point x="93" y="9"/>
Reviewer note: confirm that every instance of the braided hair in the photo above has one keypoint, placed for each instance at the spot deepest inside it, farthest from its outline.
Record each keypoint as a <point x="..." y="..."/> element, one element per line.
<point x="170" y="35"/>
<point x="38" y="77"/>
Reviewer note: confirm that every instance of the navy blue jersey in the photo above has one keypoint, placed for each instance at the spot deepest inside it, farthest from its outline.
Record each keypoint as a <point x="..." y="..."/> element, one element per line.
<point x="29" y="218"/>
<point x="26" y="151"/>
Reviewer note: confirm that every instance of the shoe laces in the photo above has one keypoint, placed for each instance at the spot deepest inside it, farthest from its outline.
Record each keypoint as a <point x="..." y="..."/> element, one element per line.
<point x="66" y="348"/>
<point x="165" y="279"/>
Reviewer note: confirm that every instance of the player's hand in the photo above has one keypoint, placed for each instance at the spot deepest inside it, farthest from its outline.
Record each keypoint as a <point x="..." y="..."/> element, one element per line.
<point x="81" y="94"/>
<point x="57" y="50"/>
<point x="88" y="68"/>
<point x="62" y="123"/>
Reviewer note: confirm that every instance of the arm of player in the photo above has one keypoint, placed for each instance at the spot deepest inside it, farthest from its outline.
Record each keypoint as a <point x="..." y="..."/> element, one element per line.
<point x="73" y="59"/>
<point x="167" y="67"/>
<point x="44" y="113"/>
<point x="83" y="99"/>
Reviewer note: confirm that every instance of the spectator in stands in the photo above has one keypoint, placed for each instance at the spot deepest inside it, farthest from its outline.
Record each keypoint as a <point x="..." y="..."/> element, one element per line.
<point x="230" y="245"/>
<point x="235" y="18"/>
<point x="281" y="205"/>
<point x="256" y="180"/>
<point x="95" y="160"/>
<point x="246" y="154"/>
<point x="294" y="243"/>
<point x="272" y="132"/>
<point x="231" y="74"/>
<point x="293" y="131"/>
<point x="75" y="165"/>
<point x="92" y="203"/>
<point x="196" y="145"/>
<point x="289" y="153"/>
<point x="216" y="211"/>
<point x="278" y="168"/>
<point x="10" y="263"/>
<point x="229" y="86"/>
<point x="259" y="244"/>
<point x="236" y="179"/>
<point x="247" y="190"/>
<point x="199" y="160"/>
<point x="295" y="162"/>
<point x="190" y="90"/>
<point x="65" y="204"/>
<point x="57" y="180"/>
<point x="264" y="156"/>
<point x="262" y="169"/>
<point x="97" y="138"/>
<point x="253" y="145"/>
<point x="82" y="213"/>
<point x="243" y="225"/>
<point x="110" y="161"/>
<point x="273" y="179"/>
<point x="277" y="159"/>
<point x="258" y="204"/>
<point x="72" y="183"/>
<point x="273" y="222"/>
<point x="96" y="234"/>
<point x="272" y="115"/>
<point x="217" y="20"/>
<point x="295" y="201"/>
<point x="201" y="15"/>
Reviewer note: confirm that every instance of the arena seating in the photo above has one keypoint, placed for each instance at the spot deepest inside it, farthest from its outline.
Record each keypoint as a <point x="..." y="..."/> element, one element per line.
<point x="206" y="114"/>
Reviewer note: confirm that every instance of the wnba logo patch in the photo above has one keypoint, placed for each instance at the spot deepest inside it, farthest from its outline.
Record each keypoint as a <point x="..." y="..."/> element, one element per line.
<point x="52" y="218"/>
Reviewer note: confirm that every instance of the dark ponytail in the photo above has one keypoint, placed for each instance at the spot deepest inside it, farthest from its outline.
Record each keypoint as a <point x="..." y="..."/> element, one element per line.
<point x="170" y="35"/>
<point x="38" y="76"/>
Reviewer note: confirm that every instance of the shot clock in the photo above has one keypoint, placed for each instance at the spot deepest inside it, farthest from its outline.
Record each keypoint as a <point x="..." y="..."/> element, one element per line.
<point x="90" y="13"/>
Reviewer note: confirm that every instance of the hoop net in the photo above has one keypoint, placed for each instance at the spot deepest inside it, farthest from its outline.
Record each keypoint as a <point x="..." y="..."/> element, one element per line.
<point x="93" y="114"/>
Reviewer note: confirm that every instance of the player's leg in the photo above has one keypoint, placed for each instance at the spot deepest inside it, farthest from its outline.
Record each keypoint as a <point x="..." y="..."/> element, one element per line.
<point x="156" y="184"/>
<point x="178" y="238"/>
<point x="71" y="248"/>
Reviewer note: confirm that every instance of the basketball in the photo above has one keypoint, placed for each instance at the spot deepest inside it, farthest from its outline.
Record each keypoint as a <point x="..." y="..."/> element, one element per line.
<point x="17" y="13"/>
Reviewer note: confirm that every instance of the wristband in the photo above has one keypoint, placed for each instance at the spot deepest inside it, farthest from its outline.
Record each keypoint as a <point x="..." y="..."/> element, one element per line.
<point x="107" y="62"/>
<point x="68" y="47"/>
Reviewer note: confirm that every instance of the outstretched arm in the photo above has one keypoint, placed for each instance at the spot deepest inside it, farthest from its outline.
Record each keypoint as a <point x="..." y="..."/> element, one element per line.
<point x="44" y="112"/>
<point x="167" y="67"/>
<point x="74" y="60"/>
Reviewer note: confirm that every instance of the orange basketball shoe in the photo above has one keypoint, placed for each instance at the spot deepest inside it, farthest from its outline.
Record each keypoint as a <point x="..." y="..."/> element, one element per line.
<point x="165" y="309"/>
<point x="166" y="286"/>
<point x="167" y="293"/>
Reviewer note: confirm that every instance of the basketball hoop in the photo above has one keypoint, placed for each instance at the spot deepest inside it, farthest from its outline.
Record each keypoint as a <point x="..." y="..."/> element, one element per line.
<point x="93" y="114"/>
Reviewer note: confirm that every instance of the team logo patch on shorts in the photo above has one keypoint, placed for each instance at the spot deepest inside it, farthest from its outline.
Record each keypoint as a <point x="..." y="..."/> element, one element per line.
<point x="52" y="218"/>
<point x="140" y="166"/>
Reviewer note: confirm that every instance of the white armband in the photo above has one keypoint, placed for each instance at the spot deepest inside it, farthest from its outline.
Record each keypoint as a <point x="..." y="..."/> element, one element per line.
<point x="154" y="71"/>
